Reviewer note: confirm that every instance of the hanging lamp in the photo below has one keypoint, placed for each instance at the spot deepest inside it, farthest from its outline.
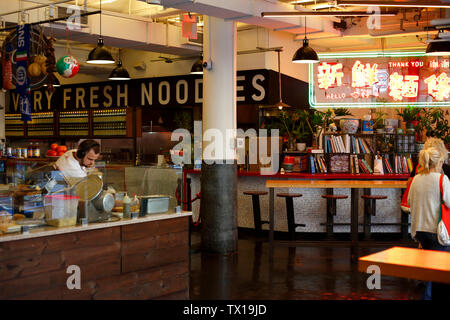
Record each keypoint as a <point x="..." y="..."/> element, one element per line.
<point x="438" y="47"/>
<point x="305" y="54"/>
<point x="197" y="67"/>
<point x="100" y="55"/>
<point x="119" y="72"/>
<point x="280" y="104"/>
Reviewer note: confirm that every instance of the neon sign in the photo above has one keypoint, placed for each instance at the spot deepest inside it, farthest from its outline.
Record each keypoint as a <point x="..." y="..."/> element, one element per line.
<point x="379" y="79"/>
<point x="329" y="75"/>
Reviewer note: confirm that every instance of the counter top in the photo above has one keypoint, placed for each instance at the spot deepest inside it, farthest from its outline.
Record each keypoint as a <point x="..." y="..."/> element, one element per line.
<point x="320" y="176"/>
<point x="50" y="231"/>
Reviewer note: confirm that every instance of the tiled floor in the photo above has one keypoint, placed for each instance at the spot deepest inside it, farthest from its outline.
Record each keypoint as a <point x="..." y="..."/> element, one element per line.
<point x="309" y="273"/>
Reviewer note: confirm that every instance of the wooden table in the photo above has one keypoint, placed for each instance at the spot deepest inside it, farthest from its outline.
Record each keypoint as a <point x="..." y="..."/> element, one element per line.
<point x="410" y="263"/>
<point x="354" y="185"/>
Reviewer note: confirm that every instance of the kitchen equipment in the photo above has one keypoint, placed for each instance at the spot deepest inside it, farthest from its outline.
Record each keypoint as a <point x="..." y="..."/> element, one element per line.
<point x="95" y="203"/>
<point x="153" y="204"/>
<point x="61" y="210"/>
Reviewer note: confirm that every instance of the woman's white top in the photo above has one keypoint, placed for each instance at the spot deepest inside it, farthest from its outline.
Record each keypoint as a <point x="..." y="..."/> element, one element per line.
<point x="424" y="198"/>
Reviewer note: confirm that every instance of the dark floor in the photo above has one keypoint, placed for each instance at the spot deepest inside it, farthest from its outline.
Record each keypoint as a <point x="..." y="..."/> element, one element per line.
<point x="299" y="273"/>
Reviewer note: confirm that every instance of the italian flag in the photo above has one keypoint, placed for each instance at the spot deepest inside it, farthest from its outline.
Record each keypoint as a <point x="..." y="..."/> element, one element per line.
<point x="21" y="56"/>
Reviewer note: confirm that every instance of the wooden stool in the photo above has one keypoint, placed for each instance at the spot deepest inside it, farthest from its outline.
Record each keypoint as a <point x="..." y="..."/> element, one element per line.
<point x="256" y="208"/>
<point x="331" y="211"/>
<point x="370" y="210"/>
<point x="290" y="212"/>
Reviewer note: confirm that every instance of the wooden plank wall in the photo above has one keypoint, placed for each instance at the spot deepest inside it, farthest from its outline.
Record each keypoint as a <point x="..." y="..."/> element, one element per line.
<point x="141" y="261"/>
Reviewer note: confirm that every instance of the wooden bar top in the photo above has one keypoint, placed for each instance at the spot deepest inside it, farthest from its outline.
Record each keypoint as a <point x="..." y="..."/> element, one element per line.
<point x="319" y="176"/>
<point x="388" y="184"/>
<point x="410" y="263"/>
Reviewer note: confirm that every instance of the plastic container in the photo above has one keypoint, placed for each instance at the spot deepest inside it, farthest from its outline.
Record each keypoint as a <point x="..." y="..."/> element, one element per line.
<point x="126" y="206"/>
<point x="61" y="210"/>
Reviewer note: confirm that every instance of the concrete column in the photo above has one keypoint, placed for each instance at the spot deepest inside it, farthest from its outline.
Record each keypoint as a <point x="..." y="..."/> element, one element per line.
<point x="219" y="179"/>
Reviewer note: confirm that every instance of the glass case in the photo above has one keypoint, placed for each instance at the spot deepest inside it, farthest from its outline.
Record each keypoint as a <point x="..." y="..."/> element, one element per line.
<point x="36" y="192"/>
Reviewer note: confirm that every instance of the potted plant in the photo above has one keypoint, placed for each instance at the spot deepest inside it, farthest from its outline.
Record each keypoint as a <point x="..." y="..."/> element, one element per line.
<point x="410" y="116"/>
<point x="378" y="120"/>
<point x="435" y="124"/>
<point x="292" y="126"/>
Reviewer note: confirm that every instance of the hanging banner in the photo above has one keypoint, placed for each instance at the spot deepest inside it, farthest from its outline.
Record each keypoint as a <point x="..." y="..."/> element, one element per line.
<point x="23" y="83"/>
<point x="379" y="79"/>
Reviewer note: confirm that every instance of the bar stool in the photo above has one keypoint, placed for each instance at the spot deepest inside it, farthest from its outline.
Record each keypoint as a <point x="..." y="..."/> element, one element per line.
<point x="256" y="208"/>
<point x="370" y="210"/>
<point x="331" y="211"/>
<point x="290" y="212"/>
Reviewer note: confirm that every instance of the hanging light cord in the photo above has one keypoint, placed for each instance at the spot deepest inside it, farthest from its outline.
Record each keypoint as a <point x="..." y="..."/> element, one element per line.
<point x="100" y="18"/>
<point x="279" y="76"/>
<point x="305" y="27"/>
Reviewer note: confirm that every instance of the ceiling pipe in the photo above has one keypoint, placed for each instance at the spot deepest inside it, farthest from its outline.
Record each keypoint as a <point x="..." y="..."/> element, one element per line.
<point x="35" y="7"/>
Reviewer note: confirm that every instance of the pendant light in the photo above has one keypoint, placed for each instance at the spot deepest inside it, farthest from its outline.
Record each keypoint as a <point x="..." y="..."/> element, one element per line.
<point x="100" y="55"/>
<point x="305" y="54"/>
<point x="197" y="67"/>
<point x="119" y="72"/>
<point x="280" y="104"/>
<point x="438" y="47"/>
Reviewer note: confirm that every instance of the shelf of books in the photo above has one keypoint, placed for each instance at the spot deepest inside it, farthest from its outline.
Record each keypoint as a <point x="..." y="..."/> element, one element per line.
<point x="364" y="154"/>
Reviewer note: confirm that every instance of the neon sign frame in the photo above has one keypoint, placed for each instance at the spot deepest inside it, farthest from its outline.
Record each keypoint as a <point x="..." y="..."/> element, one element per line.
<point x="314" y="104"/>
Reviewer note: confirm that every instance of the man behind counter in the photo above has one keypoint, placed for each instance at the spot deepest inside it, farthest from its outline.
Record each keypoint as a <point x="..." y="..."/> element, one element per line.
<point x="73" y="163"/>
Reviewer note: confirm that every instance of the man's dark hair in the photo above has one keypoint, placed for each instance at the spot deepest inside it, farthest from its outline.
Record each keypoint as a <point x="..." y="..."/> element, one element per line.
<point x="86" y="146"/>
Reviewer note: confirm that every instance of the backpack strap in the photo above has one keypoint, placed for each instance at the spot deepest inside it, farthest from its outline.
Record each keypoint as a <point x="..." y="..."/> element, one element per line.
<point x="440" y="184"/>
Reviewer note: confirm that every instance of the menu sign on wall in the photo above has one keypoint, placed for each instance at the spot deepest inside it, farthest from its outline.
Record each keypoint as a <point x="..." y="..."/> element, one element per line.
<point x="380" y="79"/>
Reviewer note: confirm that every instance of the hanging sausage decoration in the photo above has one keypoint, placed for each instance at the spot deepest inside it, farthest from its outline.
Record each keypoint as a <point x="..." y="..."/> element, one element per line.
<point x="50" y="63"/>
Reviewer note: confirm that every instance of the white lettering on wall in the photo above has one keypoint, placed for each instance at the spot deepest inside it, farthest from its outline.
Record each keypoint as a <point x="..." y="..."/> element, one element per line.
<point x="146" y="94"/>
<point x="166" y="85"/>
<point x="240" y="88"/>
<point x="123" y="95"/>
<point x="178" y="91"/>
<point x="198" y="83"/>
<point x="258" y="87"/>
<point x="107" y="95"/>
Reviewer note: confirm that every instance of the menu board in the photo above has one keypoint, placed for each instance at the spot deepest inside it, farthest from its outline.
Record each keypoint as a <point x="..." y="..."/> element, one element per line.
<point x="379" y="79"/>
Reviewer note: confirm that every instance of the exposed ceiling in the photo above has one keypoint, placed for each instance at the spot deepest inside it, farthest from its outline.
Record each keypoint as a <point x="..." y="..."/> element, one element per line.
<point x="405" y="31"/>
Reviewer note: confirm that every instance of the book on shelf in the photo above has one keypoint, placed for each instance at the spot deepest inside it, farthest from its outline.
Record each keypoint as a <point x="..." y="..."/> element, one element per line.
<point x="314" y="150"/>
<point x="324" y="164"/>
<point x="387" y="165"/>
<point x="347" y="143"/>
<point x="410" y="164"/>
<point x="361" y="166"/>
<point x="366" y="164"/>
<point x="312" y="169"/>
<point x="355" y="162"/>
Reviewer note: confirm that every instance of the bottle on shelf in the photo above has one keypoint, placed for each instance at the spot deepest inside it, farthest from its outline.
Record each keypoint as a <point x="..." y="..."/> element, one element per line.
<point x="30" y="150"/>
<point x="37" y="151"/>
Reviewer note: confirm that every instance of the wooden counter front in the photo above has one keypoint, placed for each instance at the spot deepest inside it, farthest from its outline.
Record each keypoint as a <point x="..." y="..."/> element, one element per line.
<point x="146" y="260"/>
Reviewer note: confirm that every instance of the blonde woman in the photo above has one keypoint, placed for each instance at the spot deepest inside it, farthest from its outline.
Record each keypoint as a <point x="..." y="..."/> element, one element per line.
<point x="438" y="144"/>
<point x="424" y="199"/>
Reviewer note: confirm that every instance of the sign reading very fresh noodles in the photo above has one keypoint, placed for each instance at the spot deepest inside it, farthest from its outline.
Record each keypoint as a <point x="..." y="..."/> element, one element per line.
<point x="384" y="79"/>
<point x="251" y="88"/>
